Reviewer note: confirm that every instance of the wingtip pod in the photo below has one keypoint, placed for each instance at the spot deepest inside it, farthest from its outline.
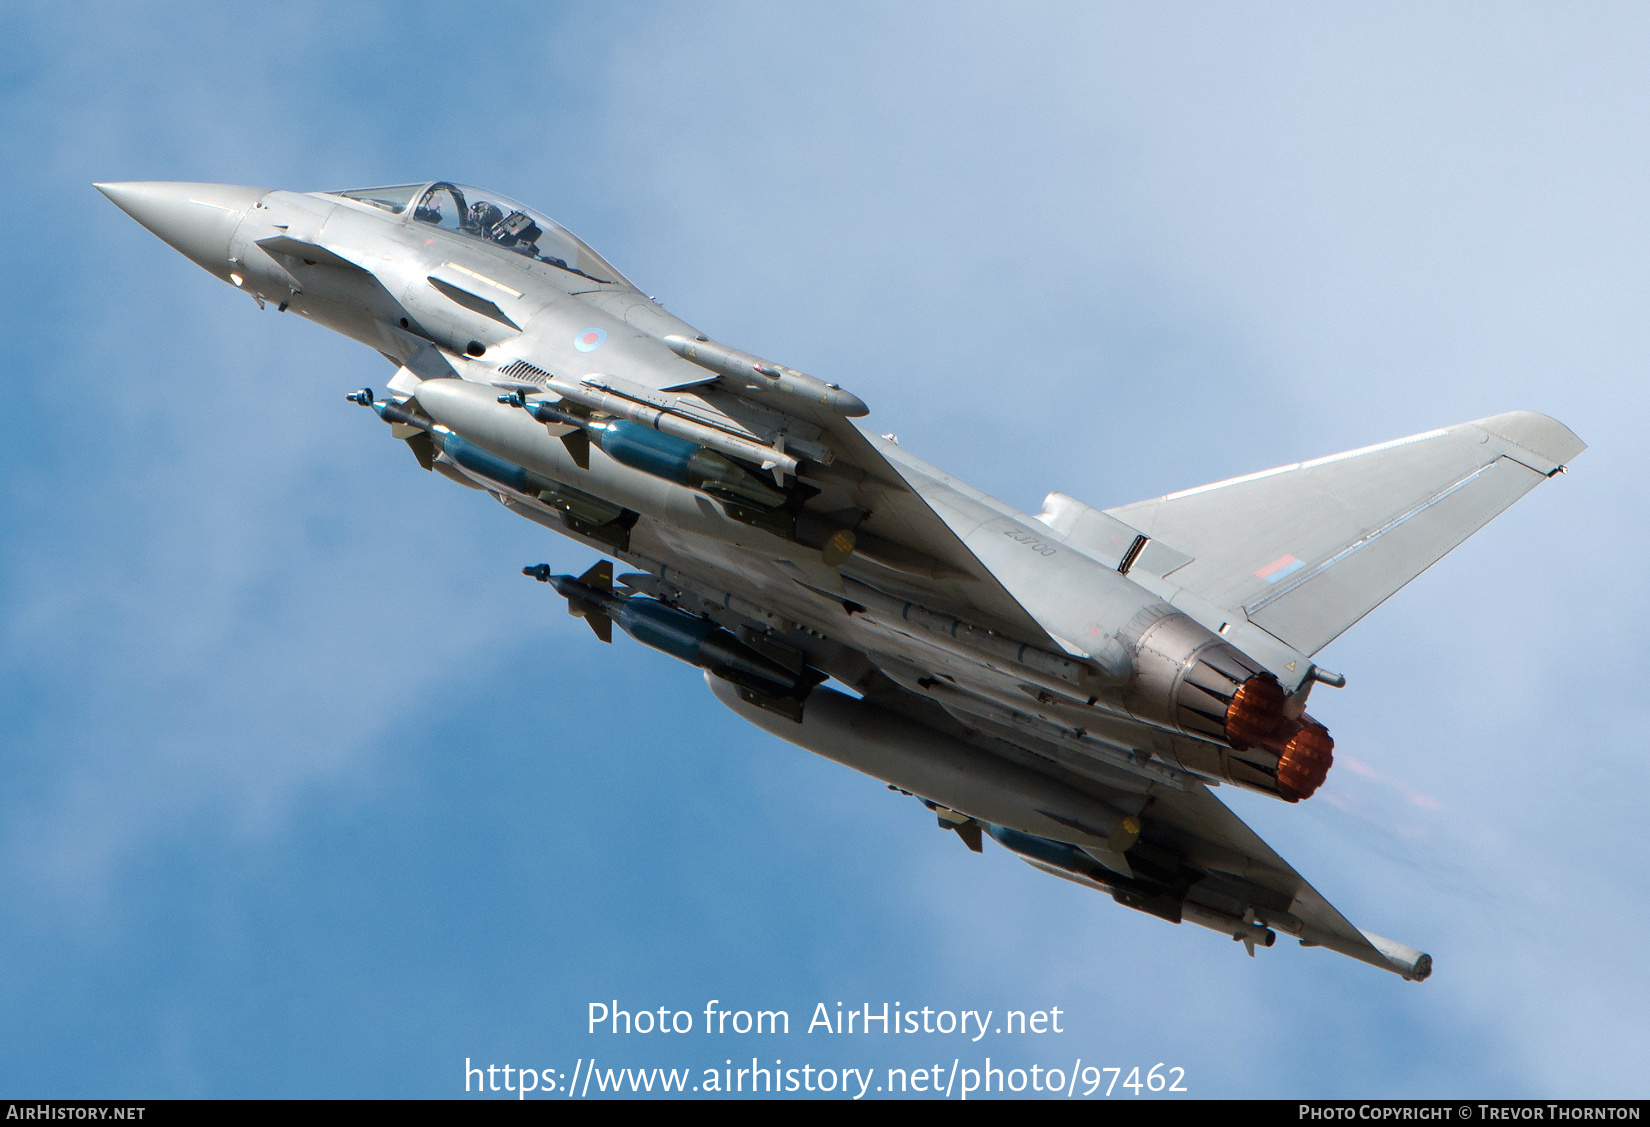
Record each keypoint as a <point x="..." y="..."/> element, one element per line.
<point x="1552" y="443"/>
<point x="1414" y="965"/>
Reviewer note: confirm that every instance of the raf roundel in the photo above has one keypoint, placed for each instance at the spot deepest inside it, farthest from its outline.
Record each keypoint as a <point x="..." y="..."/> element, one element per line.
<point x="589" y="340"/>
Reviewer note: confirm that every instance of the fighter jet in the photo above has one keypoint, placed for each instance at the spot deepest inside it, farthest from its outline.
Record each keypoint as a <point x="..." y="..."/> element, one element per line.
<point x="1070" y="683"/>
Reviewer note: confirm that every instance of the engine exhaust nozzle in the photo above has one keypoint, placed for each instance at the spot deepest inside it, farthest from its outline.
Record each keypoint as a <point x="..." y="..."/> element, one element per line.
<point x="1257" y="717"/>
<point x="1194" y="681"/>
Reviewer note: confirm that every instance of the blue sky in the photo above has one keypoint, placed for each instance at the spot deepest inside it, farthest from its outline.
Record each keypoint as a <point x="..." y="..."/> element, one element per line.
<point x="305" y="791"/>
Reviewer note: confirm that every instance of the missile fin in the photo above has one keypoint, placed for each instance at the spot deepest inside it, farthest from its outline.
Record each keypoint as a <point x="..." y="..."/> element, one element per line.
<point x="423" y="448"/>
<point x="788" y="707"/>
<point x="601" y="624"/>
<point x="578" y="445"/>
<point x="1111" y="858"/>
<point x="970" y="833"/>
<point x="600" y="577"/>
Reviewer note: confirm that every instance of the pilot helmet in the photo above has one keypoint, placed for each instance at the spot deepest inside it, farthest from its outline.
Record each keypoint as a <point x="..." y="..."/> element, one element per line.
<point x="483" y="215"/>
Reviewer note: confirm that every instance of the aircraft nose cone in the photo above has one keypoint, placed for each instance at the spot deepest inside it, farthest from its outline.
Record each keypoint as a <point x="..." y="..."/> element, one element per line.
<point x="197" y="220"/>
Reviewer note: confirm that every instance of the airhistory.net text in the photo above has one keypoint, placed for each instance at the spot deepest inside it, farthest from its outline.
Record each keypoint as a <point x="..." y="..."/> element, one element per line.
<point x="872" y="1017"/>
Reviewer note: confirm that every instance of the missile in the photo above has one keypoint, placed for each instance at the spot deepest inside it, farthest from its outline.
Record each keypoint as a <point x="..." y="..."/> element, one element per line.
<point x="755" y="374"/>
<point x="777" y="680"/>
<point x="663" y="455"/>
<point x="1165" y="901"/>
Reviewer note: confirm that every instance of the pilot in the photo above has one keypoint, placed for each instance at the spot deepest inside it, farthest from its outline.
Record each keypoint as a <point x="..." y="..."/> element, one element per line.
<point x="483" y="216"/>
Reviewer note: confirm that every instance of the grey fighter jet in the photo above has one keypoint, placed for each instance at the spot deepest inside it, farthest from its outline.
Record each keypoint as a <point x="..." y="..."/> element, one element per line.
<point x="1070" y="683"/>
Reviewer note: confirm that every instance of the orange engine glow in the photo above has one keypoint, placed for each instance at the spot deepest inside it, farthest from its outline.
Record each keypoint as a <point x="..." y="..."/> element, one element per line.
<point x="1256" y="712"/>
<point x="1256" y="718"/>
<point x="1305" y="761"/>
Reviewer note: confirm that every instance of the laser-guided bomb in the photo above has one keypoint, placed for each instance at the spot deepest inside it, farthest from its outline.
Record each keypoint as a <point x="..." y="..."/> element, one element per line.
<point x="765" y="673"/>
<point x="1069" y="684"/>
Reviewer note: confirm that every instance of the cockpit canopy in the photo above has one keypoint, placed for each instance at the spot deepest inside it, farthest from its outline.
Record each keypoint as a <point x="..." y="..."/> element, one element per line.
<point x="492" y="218"/>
